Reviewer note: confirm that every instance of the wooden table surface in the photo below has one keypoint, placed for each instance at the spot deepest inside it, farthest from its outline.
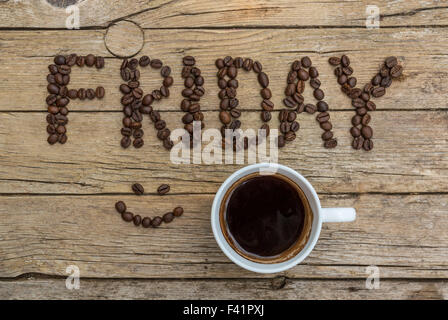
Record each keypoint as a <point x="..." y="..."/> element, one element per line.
<point x="57" y="202"/>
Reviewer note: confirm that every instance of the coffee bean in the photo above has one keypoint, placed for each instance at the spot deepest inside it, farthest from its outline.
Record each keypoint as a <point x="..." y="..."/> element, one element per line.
<point x="358" y="103"/>
<point x="125" y="74"/>
<point x="281" y="142"/>
<point x="99" y="63"/>
<point x="157" y="95"/>
<point x="291" y="116"/>
<point x="348" y="71"/>
<point x="90" y="94"/>
<point x="120" y="206"/>
<point x="235" y="113"/>
<point x="125" y="142"/>
<point x="342" y="79"/>
<point x="168" y="82"/>
<point x="138" y="133"/>
<point x="51" y="129"/>
<point x="358" y="143"/>
<point x="356" y="120"/>
<point x="59" y="60"/>
<point x="52" y="139"/>
<point x="266" y="116"/>
<point x="178" y="211"/>
<point x="187" y="118"/>
<point x="257" y="67"/>
<point x="310" y="108"/>
<point x="168" y="217"/>
<point x="371" y="106"/>
<point x="146" y="222"/>
<point x="391" y="62"/>
<point x="220" y="63"/>
<point x="232" y="72"/>
<point x="144" y="61"/>
<point x="376" y="80"/>
<point x="137" y="220"/>
<point x="330" y="144"/>
<point x="327" y="135"/>
<point x="100" y="92"/>
<point x="163" y="189"/>
<point x="318" y="94"/>
<point x="323" y="117"/>
<point x="289" y="102"/>
<point x="384" y="71"/>
<point x="285" y="127"/>
<point x="156" y="64"/>
<point x="322" y="106"/>
<point x="127" y="216"/>
<point x="303" y="75"/>
<point x="138" y="189"/>
<point x="378" y="92"/>
<point x="352" y="82"/>
<point x="53" y="109"/>
<point x="165" y="71"/>
<point x="53" y="89"/>
<point x="247" y="64"/>
<point x="327" y="126"/>
<point x="61" y="130"/>
<point x="164" y="91"/>
<point x="367" y="145"/>
<point x="315" y="83"/>
<point x="189" y="61"/>
<point x="138" y="143"/>
<point x="290" y="136"/>
<point x="367" y="132"/>
<point x="361" y="111"/>
<point x="334" y="61"/>
<point x="168" y="144"/>
<point x="156" y="222"/>
<point x="396" y="71"/>
<point x="266" y="93"/>
<point x="64" y="69"/>
<point x="345" y="61"/>
<point x="90" y="60"/>
<point x="295" y="126"/>
<point x="355" y="132"/>
<point x="126" y="132"/>
<point x="263" y="79"/>
<point x="63" y="139"/>
<point x="224" y="116"/>
<point x="306" y="62"/>
<point x="313" y="72"/>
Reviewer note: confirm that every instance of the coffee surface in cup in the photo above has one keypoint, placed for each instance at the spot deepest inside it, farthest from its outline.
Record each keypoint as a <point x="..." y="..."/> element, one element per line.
<point x="265" y="215"/>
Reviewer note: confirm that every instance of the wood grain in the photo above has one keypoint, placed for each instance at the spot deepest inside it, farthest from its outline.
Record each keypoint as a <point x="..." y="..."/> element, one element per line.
<point x="409" y="155"/>
<point x="229" y="14"/>
<point x="422" y="52"/>
<point x="403" y="235"/>
<point x="278" y="288"/>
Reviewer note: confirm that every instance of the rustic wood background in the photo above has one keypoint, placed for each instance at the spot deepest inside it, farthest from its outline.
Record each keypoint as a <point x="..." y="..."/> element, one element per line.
<point x="57" y="202"/>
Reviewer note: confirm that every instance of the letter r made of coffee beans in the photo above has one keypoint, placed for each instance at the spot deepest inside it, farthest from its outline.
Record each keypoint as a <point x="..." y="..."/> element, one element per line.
<point x="136" y="103"/>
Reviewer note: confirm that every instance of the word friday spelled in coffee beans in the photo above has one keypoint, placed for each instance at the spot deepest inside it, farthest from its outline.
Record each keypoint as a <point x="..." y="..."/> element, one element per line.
<point x="136" y="103"/>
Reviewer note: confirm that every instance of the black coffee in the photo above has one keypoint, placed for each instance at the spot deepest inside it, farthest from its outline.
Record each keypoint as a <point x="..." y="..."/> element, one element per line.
<point x="265" y="215"/>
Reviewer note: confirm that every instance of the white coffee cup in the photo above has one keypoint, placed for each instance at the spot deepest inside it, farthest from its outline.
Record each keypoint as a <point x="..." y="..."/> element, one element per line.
<point x="320" y="215"/>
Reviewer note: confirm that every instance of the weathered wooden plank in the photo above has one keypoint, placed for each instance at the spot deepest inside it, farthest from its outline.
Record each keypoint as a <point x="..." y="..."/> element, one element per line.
<point x="54" y="289"/>
<point x="409" y="155"/>
<point x="233" y="13"/>
<point x="423" y="52"/>
<point x="403" y="235"/>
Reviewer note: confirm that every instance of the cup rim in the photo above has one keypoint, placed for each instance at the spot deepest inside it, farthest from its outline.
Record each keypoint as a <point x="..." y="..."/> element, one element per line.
<point x="314" y="203"/>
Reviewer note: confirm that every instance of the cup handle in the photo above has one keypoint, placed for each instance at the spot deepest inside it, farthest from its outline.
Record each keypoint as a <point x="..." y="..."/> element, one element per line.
<point x="338" y="214"/>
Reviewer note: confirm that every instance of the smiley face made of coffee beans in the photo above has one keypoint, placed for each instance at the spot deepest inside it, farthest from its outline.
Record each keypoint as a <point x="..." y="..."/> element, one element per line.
<point x="136" y="103"/>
